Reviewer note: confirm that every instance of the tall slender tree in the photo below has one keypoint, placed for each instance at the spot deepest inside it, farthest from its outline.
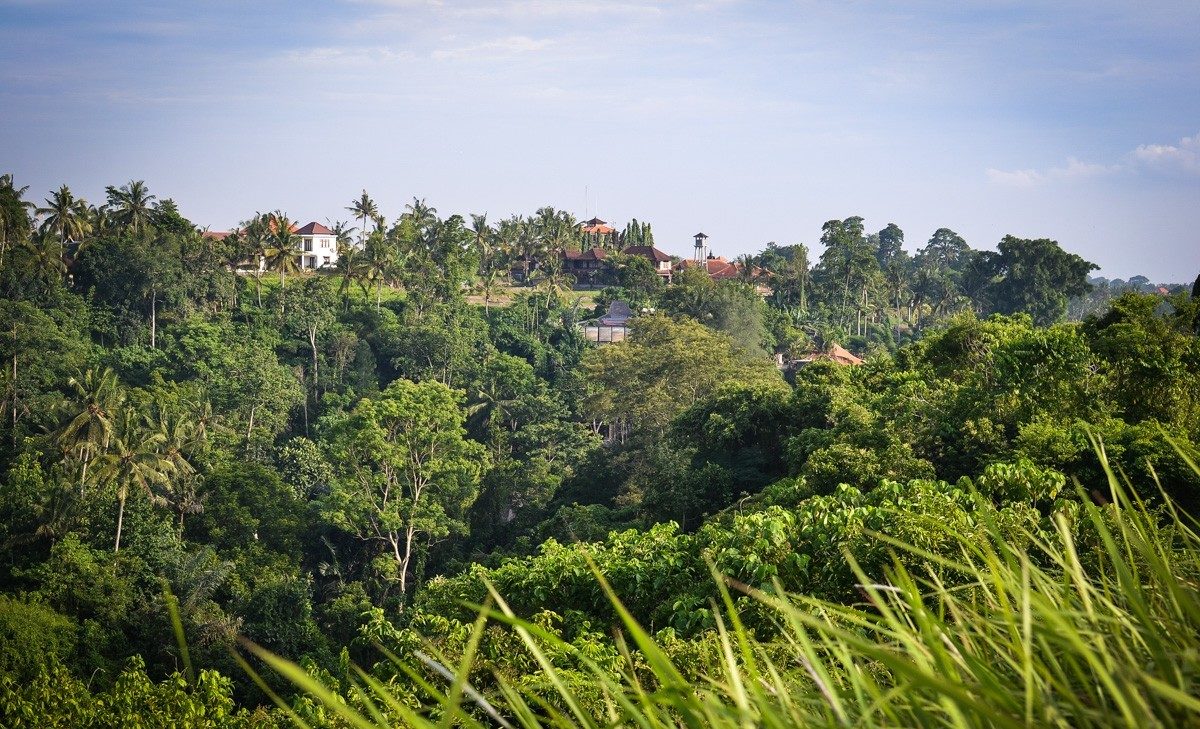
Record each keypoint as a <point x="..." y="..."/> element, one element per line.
<point x="283" y="256"/>
<point x="65" y="215"/>
<point x="362" y="208"/>
<point x="134" y="459"/>
<point x="131" y="205"/>
<point x="96" y="400"/>
<point x="14" y="215"/>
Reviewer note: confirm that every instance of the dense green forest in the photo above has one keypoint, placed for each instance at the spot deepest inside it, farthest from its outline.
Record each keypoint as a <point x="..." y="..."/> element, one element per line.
<point x="206" y="463"/>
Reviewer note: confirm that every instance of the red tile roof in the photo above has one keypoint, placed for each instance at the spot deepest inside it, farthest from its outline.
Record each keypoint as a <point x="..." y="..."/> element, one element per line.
<point x="595" y="254"/>
<point x="216" y="234"/>
<point x="647" y="252"/>
<point x="599" y="229"/>
<point x="718" y="268"/>
<point x="836" y="354"/>
<point x="314" y="228"/>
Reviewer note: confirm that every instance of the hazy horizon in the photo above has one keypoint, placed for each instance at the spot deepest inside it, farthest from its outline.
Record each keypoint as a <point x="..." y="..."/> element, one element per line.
<point x="753" y="122"/>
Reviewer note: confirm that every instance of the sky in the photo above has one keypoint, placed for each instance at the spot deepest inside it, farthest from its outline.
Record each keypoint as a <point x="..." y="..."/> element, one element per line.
<point x="1077" y="120"/>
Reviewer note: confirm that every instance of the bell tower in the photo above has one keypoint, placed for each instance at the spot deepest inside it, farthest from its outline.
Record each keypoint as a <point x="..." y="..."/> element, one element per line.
<point x="701" y="250"/>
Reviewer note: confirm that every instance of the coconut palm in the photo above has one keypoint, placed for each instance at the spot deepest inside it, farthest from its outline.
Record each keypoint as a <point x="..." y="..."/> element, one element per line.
<point x="134" y="459"/>
<point x="14" y="214"/>
<point x="65" y="215"/>
<point x="256" y="236"/>
<point x="527" y="244"/>
<point x="490" y="280"/>
<point x="179" y="440"/>
<point x="46" y="254"/>
<point x="747" y="270"/>
<point x="484" y="235"/>
<point x="380" y="262"/>
<point x="342" y="234"/>
<point x="553" y="279"/>
<point x="130" y="205"/>
<point x="282" y="257"/>
<point x="363" y="208"/>
<point x="421" y="214"/>
<point x="352" y="264"/>
<point x="97" y="396"/>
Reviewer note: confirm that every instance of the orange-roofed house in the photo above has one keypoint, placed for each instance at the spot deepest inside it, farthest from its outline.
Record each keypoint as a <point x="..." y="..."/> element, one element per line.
<point x="597" y="233"/>
<point x="836" y="354"/>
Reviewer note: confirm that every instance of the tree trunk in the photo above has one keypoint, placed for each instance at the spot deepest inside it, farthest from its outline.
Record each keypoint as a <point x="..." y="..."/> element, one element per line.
<point x="120" y="520"/>
<point x="153" y="318"/>
<point x="14" y="386"/>
<point x="410" y="533"/>
<point x="312" y="340"/>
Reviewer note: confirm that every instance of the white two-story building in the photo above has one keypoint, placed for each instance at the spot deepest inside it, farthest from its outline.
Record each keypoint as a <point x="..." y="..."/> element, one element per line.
<point x="317" y="246"/>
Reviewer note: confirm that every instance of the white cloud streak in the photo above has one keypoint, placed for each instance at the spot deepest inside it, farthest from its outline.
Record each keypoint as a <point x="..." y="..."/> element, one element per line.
<point x="1181" y="157"/>
<point x="500" y="48"/>
<point x="1074" y="170"/>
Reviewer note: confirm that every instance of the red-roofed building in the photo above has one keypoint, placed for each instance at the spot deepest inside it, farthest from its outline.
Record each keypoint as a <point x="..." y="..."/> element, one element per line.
<point x="661" y="261"/>
<point x="317" y="246"/>
<point x="836" y="354"/>
<point x="597" y="233"/>
<point x="585" y="266"/>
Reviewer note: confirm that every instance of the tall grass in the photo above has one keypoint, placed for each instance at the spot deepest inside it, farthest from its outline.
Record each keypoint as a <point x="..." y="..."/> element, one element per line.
<point x="1097" y="625"/>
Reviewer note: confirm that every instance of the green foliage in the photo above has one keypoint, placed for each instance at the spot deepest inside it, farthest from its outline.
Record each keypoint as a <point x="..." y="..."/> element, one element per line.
<point x="407" y="473"/>
<point x="31" y="635"/>
<point x="1092" y="622"/>
<point x="663" y="367"/>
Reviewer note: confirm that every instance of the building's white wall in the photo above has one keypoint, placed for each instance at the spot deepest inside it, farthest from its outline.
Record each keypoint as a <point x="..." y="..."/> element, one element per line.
<point x="317" y="251"/>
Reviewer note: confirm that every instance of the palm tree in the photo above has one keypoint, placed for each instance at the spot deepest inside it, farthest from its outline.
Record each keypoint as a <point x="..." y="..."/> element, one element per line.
<point x="130" y="205"/>
<point x="47" y="256"/>
<point x="257" y="240"/>
<point x="748" y="272"/>
<point x="282" y="255"/>
<point x="66" y="215"/>
<point x="342" y="234"/>
<point x="179" y="438"/>
<point x="489" y="282"/>
<point x="134" y="458"/>
<point x="380" y="263"/>
<point x="352" y="263"/>
<point x="527" y="245"/>
<point x="14" y="214"/>
<point x="87" y="433"/>
<point x="493" y="406"/>
<point x="421" y="213"/>
<point x="363" y="208"/>
<point x="552" y="279"/>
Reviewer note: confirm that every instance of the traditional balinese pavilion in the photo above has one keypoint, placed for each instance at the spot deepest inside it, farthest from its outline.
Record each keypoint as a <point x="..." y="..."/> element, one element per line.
<point x="597" y="233"/>
<point x="611" y="327"/>
<point x="585" y="266"/>
<point x="836" y="354"/>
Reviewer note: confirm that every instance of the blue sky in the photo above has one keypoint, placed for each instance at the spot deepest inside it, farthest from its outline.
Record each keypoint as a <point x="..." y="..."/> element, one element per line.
<point x="753" y="121"/>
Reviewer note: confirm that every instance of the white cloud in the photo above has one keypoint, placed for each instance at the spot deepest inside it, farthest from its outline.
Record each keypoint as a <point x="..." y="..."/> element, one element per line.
<point x="1074" y="170"/>
<point x="499" y="48"/>
<point x="335" y="57"/>
<point x="1181" y="157"/>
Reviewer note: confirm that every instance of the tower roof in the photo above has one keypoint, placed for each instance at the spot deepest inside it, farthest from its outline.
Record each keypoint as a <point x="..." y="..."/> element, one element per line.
<point x="699" y="235"/>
